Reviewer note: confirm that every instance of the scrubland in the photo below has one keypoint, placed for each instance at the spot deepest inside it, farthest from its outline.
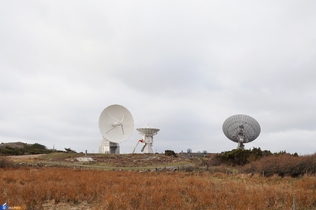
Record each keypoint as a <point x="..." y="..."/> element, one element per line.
<point x="66" y="188"/>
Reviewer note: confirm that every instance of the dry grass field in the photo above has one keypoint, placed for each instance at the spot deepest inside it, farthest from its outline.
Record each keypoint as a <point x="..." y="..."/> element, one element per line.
<point x="68" y="188"/>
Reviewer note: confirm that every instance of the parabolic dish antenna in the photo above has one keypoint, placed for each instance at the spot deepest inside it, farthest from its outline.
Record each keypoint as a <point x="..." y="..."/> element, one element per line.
<point x="147" y="132"/>
<point x="116" y="123"/>
<point x="241" y="129"/>
<point x="189" y="151"/>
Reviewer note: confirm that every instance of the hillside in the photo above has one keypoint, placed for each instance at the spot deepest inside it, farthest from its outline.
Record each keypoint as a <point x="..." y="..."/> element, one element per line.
<point x="108" y="161"/>
<point x="20" y="148"/>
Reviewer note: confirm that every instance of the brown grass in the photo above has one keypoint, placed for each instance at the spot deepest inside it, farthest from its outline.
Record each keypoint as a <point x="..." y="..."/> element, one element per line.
<point x="56" y="188"/>
<point x="284" y="165"/>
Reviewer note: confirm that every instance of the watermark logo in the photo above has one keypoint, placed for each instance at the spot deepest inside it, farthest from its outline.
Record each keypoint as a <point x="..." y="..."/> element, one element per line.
<point x="6" y="207"/>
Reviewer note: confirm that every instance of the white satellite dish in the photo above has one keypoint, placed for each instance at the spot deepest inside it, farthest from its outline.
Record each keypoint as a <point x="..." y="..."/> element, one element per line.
<point x="241" y="128"/>
<point x="116" y="123"/>
<point x="148" y="132"/>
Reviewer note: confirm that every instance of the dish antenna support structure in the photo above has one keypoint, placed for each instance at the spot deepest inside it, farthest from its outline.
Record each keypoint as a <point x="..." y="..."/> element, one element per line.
<point x="242" y="129"/>
<point x="148" y="132"/>
<point x="189" y="151"/>
<point x="116" y="125"/>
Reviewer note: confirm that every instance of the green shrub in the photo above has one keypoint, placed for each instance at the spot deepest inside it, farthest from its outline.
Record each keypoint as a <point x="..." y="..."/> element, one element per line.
<point x="238" y="157"/>
<point x="170" y="153"/>
<point x="24" y="149"/>
<point x="68" y="150"/>
<point x="11" y="151"/>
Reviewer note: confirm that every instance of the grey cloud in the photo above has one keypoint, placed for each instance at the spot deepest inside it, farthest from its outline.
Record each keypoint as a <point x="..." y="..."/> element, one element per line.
<point x="183" y="66"/>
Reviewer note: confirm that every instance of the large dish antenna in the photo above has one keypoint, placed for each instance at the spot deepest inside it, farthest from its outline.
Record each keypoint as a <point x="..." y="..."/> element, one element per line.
<point x="241" y="129"/>
<point x="148" y="133"/>
<point x="116" y="123"/>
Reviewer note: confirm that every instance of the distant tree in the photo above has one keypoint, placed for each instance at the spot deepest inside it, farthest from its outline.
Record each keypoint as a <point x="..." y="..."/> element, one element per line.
<point x="70" y="150"/>
<point x="38" y="146"/>
<point x="35" y="149"/>
<point x="23" y="149"/>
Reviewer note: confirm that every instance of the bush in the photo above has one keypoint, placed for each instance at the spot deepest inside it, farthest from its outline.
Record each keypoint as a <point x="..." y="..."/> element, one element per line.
<point x="68" y="150"/>
<point x="24" y="149"/>
<point x="5" y="163"/>
<point x="11" y="151"/>
<point x="170" y="153"/>
<point x="283" y="165"/>
<point x="238" y="157"/>
<point x="35" y="149"/>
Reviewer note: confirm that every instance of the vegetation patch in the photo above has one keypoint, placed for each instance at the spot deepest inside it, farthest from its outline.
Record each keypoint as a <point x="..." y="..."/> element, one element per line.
<point x="19" y="148"/>
<point x="6" y="163"/>
<point x="62" y="188"/>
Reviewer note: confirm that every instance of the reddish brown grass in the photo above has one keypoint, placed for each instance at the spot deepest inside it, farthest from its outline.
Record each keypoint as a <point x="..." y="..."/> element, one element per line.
<point x="284" y="165"/>
<point x="35" y="188"/>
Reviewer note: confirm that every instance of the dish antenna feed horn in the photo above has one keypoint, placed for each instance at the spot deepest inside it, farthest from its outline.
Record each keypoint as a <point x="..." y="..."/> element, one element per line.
<point x="241" y="129"/>
<point x="116" y="125"/>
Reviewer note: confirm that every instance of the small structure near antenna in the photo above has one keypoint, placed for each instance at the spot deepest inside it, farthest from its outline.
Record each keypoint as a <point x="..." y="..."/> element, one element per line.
<point x="116" y="125"/>
<point x="241" y="129"/>
<point x="148" y="132"/>
<point x="189" y="151"/>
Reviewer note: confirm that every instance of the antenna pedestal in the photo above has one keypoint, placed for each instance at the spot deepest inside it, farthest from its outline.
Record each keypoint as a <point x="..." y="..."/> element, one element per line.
<point x="107" y="147"/>
<point x="241" y="146"/>
<point x="147" y="148"/>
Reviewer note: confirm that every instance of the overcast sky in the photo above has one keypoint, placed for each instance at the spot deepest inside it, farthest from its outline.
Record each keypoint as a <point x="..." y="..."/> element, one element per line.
<point x="182" y="66"/>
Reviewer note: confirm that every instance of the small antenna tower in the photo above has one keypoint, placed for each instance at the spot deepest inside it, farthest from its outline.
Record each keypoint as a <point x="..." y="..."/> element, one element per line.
<point x="147" y="132"/>
<point x="189" y="151"/>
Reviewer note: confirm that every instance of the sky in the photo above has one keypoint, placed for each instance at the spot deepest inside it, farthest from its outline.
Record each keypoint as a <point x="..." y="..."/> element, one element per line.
<point x="181" y="66"/>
